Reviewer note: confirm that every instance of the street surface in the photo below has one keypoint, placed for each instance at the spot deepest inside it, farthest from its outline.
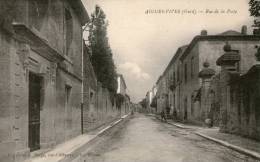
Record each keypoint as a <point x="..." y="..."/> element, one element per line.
<point x="146" y="139"/>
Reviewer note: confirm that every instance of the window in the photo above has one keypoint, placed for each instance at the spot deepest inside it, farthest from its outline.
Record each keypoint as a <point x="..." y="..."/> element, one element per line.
<point x="174" y="81"/>
<point x="191" y="67"/>
<point x="67" y="94"/>
<point x="68" y="108"/>
<point x="68" y="30"/>
<point x="185" y="73"/>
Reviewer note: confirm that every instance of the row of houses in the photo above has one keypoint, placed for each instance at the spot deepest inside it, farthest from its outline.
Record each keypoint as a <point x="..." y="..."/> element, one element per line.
<point x="208" y="79"/>
<point x="48" y="89"/>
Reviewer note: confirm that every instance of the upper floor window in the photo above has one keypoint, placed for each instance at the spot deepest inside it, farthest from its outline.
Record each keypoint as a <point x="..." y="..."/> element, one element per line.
<point x="37" y="12"/>
<point x="67" y="94"/>
<point x="68" y="29"/>
<point x="174" y="81"/>
<point x="185" y="73"/>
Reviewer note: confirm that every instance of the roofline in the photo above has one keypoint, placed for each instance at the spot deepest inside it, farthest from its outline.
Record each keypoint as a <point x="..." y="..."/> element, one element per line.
<point x="217" y="37"/>
<point x="80" y="10"/>
<point x="176" y="55"/>
<point x="158" y="79"/>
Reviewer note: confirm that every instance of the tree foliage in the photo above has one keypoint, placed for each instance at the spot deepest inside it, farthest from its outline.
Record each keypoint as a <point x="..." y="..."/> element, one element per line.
<point x="143" y="103"/>
<point x="255" y="11"/>
<point x="119" y="100"/>
<point x="102" y="57"/>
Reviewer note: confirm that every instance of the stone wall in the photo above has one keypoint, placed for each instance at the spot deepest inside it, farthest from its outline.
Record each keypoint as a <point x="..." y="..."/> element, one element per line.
<point x="98" y="108"/>
<point x="240" y="101"/>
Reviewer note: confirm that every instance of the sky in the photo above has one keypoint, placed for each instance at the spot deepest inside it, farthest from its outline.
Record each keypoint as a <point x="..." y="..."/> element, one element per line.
<point x="143" y="42"/>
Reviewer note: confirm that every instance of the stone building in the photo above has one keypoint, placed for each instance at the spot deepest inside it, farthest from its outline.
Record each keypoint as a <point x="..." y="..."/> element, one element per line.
<point x="121" y="85"/>
<point x="161" y="94"/>
<point x="148" y="99"/>
<point x="122" y="92"/>
<point x="208" y="48"/>
<point x="151" y="100"/>
<point x="183" y="86"/>
<point x="41" y="67"/>
<point x="169" y="90"/>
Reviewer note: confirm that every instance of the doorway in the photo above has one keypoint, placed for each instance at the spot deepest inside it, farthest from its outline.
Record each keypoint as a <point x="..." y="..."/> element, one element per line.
<point x="35" y="82"/>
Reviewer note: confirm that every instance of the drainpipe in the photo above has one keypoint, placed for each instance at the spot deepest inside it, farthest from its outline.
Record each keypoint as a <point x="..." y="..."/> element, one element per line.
<point x="82" y="75"/>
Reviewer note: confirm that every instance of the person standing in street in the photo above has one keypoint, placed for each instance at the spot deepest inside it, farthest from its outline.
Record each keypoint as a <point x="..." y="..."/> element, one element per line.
<point x="163" y="116"/>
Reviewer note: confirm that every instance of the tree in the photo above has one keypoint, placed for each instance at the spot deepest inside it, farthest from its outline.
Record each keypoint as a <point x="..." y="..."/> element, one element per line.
<point x="102" y="57"/>
<point x="143" y="103"/>
<point x="119" y="100"/>
<point x="255" y="11"/>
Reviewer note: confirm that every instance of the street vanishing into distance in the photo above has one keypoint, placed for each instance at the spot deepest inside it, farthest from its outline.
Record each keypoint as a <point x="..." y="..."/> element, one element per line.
<point x="129" y="81"/>
<point x="145" y="138"/>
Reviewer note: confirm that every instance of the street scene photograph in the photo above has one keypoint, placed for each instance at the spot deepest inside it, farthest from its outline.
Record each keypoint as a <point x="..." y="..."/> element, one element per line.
<point x="129" y="81"/>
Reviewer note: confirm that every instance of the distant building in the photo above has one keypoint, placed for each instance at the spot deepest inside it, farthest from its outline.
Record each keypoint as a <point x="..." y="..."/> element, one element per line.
<point x="122" y="90"/>
<point x="121" y="85"/>
<point x="148" y="98"/>
<point x="169" y="84"/>
<point x="153" y="99"/>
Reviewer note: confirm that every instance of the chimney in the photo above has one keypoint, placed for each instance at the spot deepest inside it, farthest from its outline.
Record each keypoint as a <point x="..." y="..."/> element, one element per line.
<point x="203" y="33"/>
<point x="244" y="30"/>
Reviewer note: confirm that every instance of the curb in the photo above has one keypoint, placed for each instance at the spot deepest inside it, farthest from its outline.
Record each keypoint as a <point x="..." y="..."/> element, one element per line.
<point x="250" y="153"/>
<point x="179" y="126"/>
<point x="100" y="133"/>
<point x="176" y="125"/>
<point x="111" y="125"/>
<point x="78" y="148"/>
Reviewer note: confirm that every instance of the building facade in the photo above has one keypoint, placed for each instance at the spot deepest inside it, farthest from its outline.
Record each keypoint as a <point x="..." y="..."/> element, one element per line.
<point x="41" y="57"/>
<point x="183" y="85"/>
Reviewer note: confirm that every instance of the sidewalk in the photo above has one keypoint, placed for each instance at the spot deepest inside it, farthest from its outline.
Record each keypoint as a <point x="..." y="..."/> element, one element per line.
<point x="184" y="126"/>
<point x="241" y="144"/>
<point x="177" y="124"/>
<point x="67" y="149"/>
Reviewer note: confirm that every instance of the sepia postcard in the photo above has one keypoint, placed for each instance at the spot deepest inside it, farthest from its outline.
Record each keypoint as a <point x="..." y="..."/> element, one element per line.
<point x="129" y="81"/>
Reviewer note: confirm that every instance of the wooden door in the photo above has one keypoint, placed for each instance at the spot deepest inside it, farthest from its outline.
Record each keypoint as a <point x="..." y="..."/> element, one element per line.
<point x="34" y="111"/>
